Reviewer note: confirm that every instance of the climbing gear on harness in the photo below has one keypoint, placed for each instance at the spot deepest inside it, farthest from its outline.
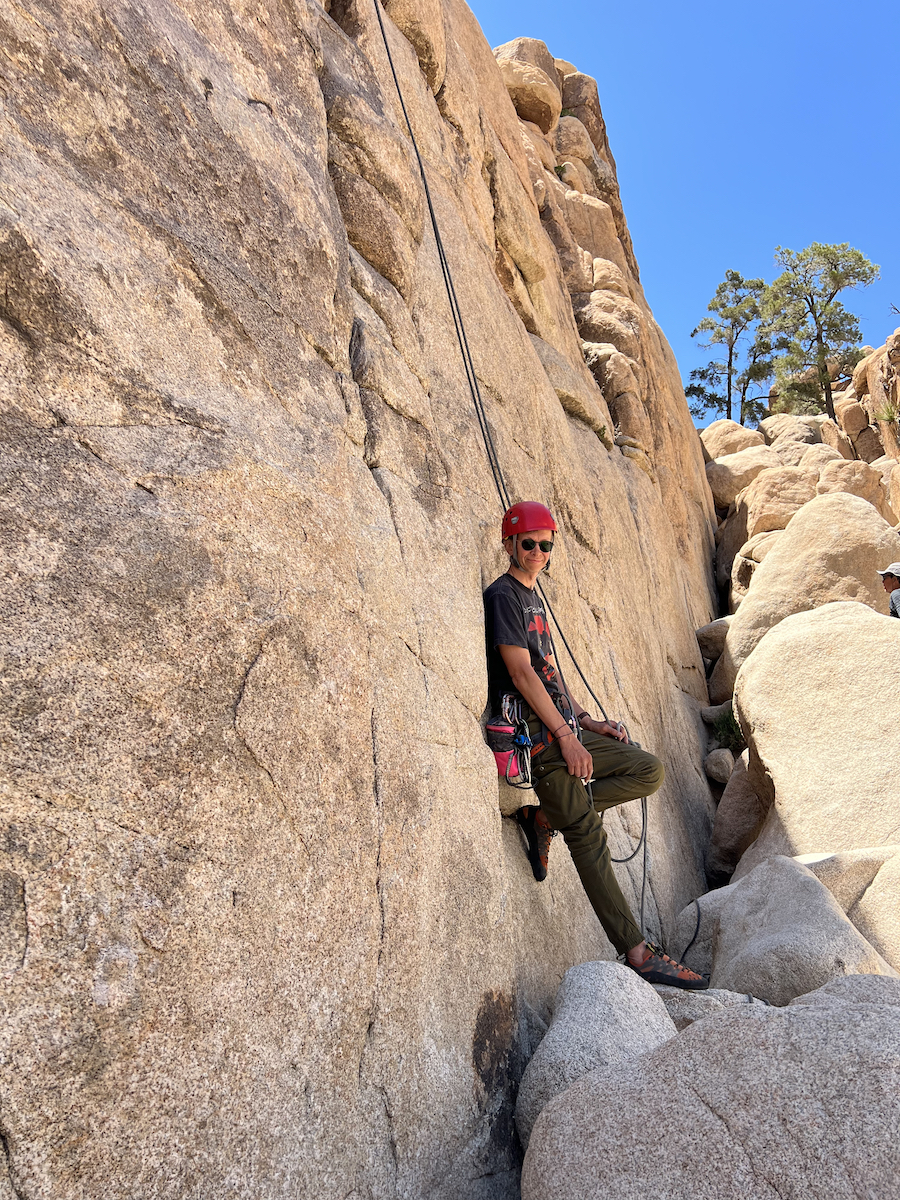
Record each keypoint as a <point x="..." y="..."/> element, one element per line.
<point x="538" y="834"/>
<point x="526" y="517"/>
<point x="509" y="738"/>
<point x="657" y="967"/>
<point x="484" y="426"/>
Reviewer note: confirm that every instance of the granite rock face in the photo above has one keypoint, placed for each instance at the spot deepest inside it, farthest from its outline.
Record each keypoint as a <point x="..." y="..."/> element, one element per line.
<point x="266" y="933"/>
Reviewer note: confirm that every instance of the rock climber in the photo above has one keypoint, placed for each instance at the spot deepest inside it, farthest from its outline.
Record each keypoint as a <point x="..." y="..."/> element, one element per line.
<point x="520" y="661"/>
<point x="890" y="579"/>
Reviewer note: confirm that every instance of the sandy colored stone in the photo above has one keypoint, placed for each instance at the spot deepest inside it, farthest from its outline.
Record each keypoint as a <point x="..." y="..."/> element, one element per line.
<point x="711" y="637"/>
<point x="774" y="496"/>
<point x="728" y="437"/>
<point x="529" y="50"/>
<point x="830" y="551"/>
<point x="718" y="765"/>
<point x="824" y="799"/>
<point x="814" y="458"/>
<point x="422" y="23"/>
<point x="781" y="934"/>
<point x="859" y="479"/>
<point x="790" y="451"/>
<point x="739" y="817"/>
<point x="790" y="427"/>
<point x="604" y="1014"/>
<point x="847" y="873"/>
<point x="747" y="559"/>
<point x="832" y="435"/>
<point x="533" y="92"/>
<point x="877" y="912"/>
<point x="608" y="317"/>
<point x="576" y="389"/>
<point x="851" y="417"/>
<point x="762" y="1102"/>
<point x="868" y="444"/>
<point x="712" y="712"/>
<point x="732" y="473"/>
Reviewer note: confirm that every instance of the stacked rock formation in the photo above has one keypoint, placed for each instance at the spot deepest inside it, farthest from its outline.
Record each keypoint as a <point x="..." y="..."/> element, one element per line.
<point x="808" y="823"/>
<point x="265" y="931"/>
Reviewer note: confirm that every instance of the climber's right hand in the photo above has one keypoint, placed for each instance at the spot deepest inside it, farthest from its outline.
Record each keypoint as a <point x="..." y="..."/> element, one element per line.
<point x="578" y="760"/>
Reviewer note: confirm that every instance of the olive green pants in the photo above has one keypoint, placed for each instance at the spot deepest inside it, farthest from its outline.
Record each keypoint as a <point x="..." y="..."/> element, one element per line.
<point x="621" y="772"/>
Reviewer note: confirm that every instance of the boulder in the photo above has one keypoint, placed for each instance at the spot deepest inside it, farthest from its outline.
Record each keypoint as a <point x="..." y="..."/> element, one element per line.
<point x="756" y="1102"/>
<point x="529" y="50"/>
<point x="815" y="457"/>
<point x="609" y="317"/>
<point x="847" y="873"/>
<point x="855" y="989"/>
<point x="877" y="912"/>
<point x="687" y="1007"/>
<point x="781" y="934"/>
<point x="696" y="929"/>
<point x="830" y="551"/>
<point x="731" y="474"/>
<point x="774" y="496"/>
<point x="858" y="479"/>
<point x="747" y="559"/>
<point x="818" y="686"/>
<point x="711" y="712"/>
<point x="832" y="435"/>
<point x="739" y="817"/>
<point x="604" y="1014"/>
<point x="790" y="450"/>
<point x="767" y="504"/>
<point x="790" y="426"/>
<point x="868" y="445"/>
<point x="851" y="416"/>
<point x="711" y="637"/>
<point x="719" y="764"/>
<point x="535" y="95"/>
<point x="725" y="437"/>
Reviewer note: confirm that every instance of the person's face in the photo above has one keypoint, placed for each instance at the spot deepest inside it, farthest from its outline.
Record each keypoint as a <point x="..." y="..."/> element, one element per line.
<point x="890" y="583"/>
<point x="535" y="558"/>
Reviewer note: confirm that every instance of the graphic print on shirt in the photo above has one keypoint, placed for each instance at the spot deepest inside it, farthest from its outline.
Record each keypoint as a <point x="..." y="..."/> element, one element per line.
<point x="539" y="626"/>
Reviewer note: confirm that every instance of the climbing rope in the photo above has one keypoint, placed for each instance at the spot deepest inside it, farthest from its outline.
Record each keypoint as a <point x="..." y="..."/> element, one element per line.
<point x="487" y="437"/>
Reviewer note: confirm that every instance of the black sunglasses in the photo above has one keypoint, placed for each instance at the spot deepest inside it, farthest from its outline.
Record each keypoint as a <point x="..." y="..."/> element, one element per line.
<point x="530" y="543"/>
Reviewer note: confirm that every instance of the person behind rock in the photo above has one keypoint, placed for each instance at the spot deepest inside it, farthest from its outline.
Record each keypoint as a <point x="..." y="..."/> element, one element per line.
<point x="520" y="661"/>
<point x="890" y="578"/>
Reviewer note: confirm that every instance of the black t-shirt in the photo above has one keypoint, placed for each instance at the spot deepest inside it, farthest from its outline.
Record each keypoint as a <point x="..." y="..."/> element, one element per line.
<point x="514" y="616"/>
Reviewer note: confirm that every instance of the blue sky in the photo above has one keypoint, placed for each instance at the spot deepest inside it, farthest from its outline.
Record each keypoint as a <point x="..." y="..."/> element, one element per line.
<point x="736" y="129"/>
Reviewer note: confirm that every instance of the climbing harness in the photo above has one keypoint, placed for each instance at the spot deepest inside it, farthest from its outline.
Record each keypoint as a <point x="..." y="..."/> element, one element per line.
<point x="514" y="761"/>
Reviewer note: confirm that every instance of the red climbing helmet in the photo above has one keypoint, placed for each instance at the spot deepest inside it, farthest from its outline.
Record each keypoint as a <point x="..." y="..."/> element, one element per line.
<point x="526" y="517"/>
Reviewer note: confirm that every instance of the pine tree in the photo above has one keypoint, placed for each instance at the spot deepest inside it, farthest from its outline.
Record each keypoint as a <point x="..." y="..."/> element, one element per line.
<point x="736" y="305"/>
<point x="813" y="330"/>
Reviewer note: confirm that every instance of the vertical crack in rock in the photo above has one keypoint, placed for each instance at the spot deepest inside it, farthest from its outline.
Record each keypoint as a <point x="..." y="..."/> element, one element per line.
<point x="245" y="741"/>
<point x="7" y="1160"/>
